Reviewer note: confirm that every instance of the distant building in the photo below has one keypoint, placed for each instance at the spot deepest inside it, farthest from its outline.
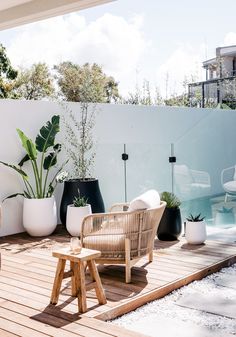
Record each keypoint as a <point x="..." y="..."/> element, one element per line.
<point x="220" y="83"/>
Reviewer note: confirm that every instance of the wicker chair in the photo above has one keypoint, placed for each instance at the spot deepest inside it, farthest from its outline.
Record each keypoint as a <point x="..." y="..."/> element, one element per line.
<point x="123" y="237"/>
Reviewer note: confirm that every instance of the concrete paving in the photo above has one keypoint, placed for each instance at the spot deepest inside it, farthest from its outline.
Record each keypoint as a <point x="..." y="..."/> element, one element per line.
<point x="204" y="308"/>
<point x="219" y="305"/>
<point x="166" y="327"/>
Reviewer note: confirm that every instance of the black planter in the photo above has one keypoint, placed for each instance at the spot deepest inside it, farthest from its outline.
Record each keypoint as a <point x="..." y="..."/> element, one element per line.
<point x="88" y="188"/>
<point x="170" y="225"/>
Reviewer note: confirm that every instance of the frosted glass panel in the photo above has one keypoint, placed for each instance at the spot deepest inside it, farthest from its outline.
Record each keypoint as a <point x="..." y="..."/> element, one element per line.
<point x="109" y="169"/>
<point x="148" y="167"/>
<point x="203" y="153"/>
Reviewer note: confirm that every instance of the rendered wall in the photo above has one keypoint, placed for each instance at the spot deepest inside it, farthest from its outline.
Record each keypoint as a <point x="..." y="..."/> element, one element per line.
<point x="203" y="140"/>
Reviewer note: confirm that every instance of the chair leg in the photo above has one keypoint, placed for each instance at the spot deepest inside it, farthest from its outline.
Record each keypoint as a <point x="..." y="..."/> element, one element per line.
<point x="127" y="261"/>
<point x="226" y="195"/>
<point x="150" y="256"/>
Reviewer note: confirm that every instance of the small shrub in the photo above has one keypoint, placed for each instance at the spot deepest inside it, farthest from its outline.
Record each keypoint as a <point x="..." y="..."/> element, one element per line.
<point x="171" y="200"/>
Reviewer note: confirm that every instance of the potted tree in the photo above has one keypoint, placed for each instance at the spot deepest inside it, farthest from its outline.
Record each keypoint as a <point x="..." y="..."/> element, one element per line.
<point x="170" y="225"/>
<point x="80" y="151"/>
<point x="195" y="231"/>
<point x="75" y="214"/>
<point x="39" y="208"/>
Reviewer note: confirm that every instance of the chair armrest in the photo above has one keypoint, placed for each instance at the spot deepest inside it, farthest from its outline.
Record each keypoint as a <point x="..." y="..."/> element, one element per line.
<point x="227" y="174"/>
<point x="94" y="222"/>
<point x="119" y="207"/>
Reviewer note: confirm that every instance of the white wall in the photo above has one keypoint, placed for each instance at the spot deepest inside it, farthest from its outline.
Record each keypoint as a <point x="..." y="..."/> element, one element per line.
<point x="204" y="139"/>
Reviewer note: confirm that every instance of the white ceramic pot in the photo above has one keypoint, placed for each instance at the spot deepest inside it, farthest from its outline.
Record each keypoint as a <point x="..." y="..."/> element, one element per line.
<point x="74" y="218"/>
<point x="39" y="216"/>
<point x="195" y="232"/>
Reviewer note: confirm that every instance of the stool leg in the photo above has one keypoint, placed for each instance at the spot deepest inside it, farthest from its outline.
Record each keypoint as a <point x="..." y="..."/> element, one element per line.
<point x="74" y="278"/>
<point x="57" y="281"/>
<point x="81" y="289"/>
<point x="98" y="288"/>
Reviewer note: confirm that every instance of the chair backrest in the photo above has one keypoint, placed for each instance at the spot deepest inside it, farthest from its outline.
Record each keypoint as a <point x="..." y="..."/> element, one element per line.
<point x="109" y="231"/>
<point x="141" y="228"/>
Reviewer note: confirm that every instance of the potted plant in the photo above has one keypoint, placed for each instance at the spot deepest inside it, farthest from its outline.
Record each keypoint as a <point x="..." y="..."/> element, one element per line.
<point x="195" y="231"/>
<point x="170" y="225"/>
<point x="225" y="216"/>
<point x="80" y="150"/>
<point x="39" y="208"/>
<point x="75" y="214"/>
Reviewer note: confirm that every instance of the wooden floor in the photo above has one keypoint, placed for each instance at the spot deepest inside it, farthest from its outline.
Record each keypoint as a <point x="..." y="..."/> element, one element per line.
<point x="27" y="274"/>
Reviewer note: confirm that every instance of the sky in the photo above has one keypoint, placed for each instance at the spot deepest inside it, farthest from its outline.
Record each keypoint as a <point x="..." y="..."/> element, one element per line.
<point x="160" y="41"/>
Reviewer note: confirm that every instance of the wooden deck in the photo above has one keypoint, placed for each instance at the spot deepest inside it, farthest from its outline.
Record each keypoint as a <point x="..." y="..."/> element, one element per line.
<point x="27" y="274"/>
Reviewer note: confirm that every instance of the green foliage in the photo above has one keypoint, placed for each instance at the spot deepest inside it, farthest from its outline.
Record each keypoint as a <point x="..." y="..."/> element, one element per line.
<point x="34" y="83"/>
<point x="177" y="100"/>
<point x="42" y="164"/>
<point x="171" y="200"/>
<point x="7" y="75"/>
<point x="79" y="142"/>
<point x="197" y="218"/>
<point x="80" y="201"/>
<point x="86" y="83"/>
<point x="142" y="96"/>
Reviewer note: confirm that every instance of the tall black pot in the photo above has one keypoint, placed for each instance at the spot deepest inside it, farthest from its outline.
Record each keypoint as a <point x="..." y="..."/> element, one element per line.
<point x="170" y="225"/>
<point x="89" y="188"/>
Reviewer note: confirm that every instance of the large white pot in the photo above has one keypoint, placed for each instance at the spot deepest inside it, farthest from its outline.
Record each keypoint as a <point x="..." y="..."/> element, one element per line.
<point x="39" y="216"/>
<point x="195" y="232"/>
<point x="74" y="218"/>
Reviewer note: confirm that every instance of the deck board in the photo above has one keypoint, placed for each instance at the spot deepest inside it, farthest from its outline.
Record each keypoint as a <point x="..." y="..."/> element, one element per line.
<point x="28" y="270"/>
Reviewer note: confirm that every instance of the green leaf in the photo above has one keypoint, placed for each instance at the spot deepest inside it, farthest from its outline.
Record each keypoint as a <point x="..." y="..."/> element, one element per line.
<point x="23" y="160"/>
<point x="28" y="145"/>
<point x="50" y="191"/>
<point x="47" y="134"/>
<point x="13" y="196"/>
<point x="50" y="161"/>
<point x="51" y="158"/>
<point x="20" y="171"/>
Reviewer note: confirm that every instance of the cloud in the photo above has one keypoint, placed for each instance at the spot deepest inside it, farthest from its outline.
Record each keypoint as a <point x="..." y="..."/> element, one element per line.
<point x="184" y="63"/>
<point x="230" y="39"/>
<point x="111" y="41"/>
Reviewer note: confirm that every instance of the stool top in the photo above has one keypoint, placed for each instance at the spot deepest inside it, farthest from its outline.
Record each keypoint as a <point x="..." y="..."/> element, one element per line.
<point x="84" y="255"/>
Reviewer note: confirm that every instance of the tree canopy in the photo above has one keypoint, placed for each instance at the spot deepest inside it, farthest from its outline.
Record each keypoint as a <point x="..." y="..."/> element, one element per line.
<point x="35" y="82"/>
<point x="7" y="75"/>
<point x="87" y="83"/>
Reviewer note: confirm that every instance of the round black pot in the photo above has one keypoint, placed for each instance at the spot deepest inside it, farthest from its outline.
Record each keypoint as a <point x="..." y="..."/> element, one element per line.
<point x="89" y="188"/>
<point x="170" y="225"/>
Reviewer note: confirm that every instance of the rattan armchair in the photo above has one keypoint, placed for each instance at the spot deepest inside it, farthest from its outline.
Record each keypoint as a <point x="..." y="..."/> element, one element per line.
<point x="123" y="237"/>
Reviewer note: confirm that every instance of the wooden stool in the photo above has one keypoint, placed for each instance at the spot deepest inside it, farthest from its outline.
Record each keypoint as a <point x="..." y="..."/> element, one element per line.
<point x="77" y="275"/>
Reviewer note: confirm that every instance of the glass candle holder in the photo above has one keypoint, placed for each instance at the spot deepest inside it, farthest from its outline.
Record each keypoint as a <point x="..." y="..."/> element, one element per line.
<point x="75" y="245"/>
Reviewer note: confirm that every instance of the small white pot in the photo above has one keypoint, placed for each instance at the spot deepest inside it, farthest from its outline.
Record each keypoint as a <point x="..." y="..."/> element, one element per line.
<point x="39" y="216"/>
<point x="195" y="232"/>
<point x="74" y="218"/>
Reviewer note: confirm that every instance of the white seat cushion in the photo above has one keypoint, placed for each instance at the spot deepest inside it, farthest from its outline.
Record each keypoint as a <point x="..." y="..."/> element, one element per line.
<point x="149" y="199"/>
<point x="230" y="186"/>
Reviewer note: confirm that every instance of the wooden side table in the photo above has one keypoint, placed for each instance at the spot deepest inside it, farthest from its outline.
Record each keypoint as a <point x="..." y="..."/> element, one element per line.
<point x="77" y="274"/>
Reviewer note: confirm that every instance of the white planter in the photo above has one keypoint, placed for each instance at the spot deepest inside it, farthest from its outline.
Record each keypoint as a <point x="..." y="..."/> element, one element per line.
<point x="39" y="216"/>
<point x="74" y="218"/>
<point x="195" y="232"/>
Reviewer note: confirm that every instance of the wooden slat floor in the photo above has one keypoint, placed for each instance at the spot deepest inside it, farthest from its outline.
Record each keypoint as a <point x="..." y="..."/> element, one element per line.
<point x="28" y="270"/>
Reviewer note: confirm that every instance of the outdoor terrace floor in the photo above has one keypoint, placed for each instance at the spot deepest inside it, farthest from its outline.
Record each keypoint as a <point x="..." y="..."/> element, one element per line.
<point x="28" y="270"/>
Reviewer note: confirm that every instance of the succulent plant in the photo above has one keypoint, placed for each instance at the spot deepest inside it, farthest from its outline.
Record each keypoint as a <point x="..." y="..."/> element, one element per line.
<point x="196" y="218"/>
<point x="80" y="201"/>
